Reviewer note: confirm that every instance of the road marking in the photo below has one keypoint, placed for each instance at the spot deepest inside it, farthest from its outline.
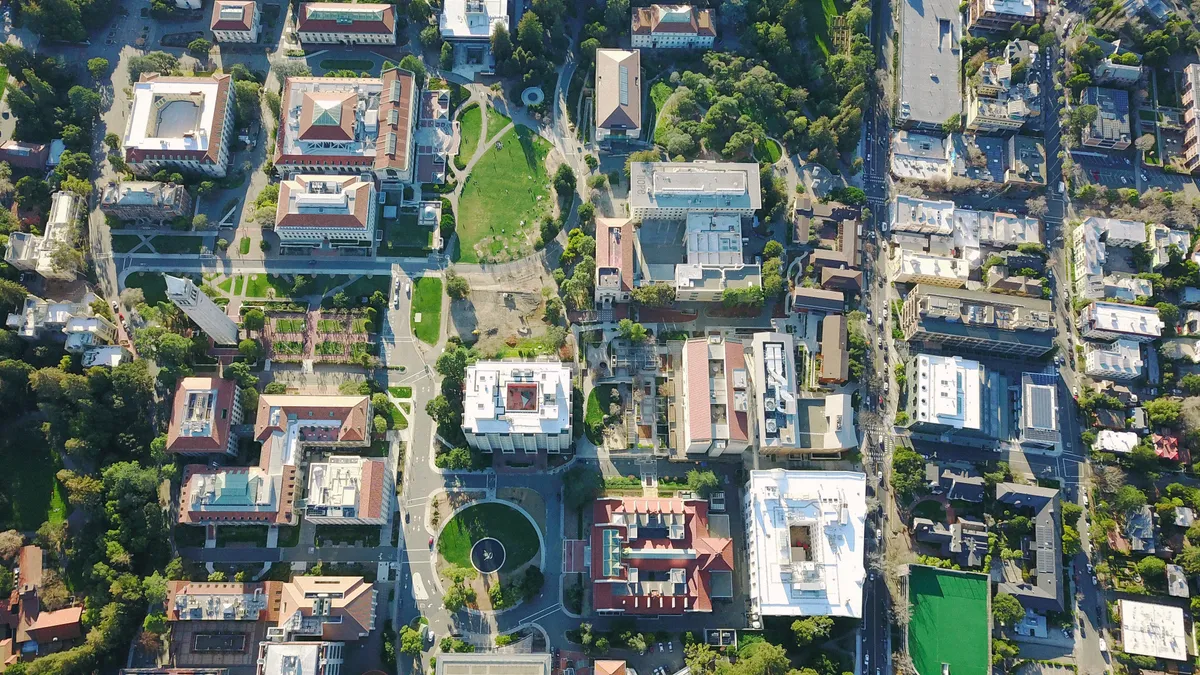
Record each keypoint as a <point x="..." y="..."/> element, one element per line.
<point x="544" y="613"/>
<point x="419" y="587"/>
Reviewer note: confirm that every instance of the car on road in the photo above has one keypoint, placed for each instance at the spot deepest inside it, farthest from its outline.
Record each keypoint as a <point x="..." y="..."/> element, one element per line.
<point x="1103" y="645"/>
<point x="671" y="646"/>
<point x="1095" y="581"/>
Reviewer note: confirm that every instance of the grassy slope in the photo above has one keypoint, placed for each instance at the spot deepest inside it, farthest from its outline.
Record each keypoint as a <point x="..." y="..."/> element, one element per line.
<point x="501" y="192"/>
<point x="496" y="121"/>
<point x="470" y="126"/>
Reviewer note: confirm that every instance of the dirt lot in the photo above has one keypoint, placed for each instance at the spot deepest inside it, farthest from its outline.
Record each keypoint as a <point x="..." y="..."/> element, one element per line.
<point x="495" y="312"/>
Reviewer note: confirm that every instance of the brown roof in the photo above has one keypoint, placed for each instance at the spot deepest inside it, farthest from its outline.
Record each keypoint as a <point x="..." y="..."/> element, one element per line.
<point x="327" y="116"/>
<point x="392" y="148"/>
<point x="352" y="411"/>
<point x="358" y="196"/>
<point x="647" y="20"/>
<point x="271" y="589"/>
<point x="24" y="155"/>
<point x="609" y="667"/>
<point x="217" y="439"/>
<point x="386" y="23"/>
<point x="283" y="515"/>
<point x="59" y="625"/>
<point x="216" y="138"/>
<point x="30" y="562"/>
<point x="832" y="277"/>
<point x="371" y="502"/>
<point x="611" y="111"/>
<point x="835" y="357"/>
<point x="351" y="598"/>
<point x="614" y="248"/>
<point x="245" y="22"/>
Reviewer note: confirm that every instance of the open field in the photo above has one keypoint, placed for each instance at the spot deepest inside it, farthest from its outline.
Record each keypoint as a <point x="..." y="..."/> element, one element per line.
<point x="152" y="284"/>
<point x="34" y="495"/>
<point x="504" y="198"/>
<point x="257" y="285"/>
<point x="498" y="521"/>
<point x="496" y="121"/>
<point x="819" y="16"/>
<point x="124" y="243"/>
<point x="950" y="621"/>
<point x="470" y="126"/>
<point x="427" y="301"/>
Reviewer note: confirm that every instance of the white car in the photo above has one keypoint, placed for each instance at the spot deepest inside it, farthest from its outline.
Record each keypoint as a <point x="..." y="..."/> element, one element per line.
<point x="1103" y="645"/>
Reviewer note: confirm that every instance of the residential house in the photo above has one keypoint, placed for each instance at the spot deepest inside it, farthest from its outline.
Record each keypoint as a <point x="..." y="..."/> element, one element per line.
<point x="1045" y="593"/>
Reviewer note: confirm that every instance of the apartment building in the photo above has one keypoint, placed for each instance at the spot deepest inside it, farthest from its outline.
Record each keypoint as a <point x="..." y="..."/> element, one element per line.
<point x="965" y="320"/>
<point x="181" y="124"/>
<point x="317" y="212"/>
<point x="1111" y="128"/>
<point x="349" y="490"/>
<point x="336" y="125"/>
<point x="1191" y="117"/>
<point x="1120" y="67"/>
<point x="1109" y="321"/>
<point x="673" y="27"/>
<point x="346" y="24"/>
<point x="915" y="267"/>
<point x="1162" y="238"/>
<point x="1005" y="93"/>
<point x="671" y="190"/>
<point x="712" y="398"/>
<point x="1041" y="426"/>
<point x="1000" y="15"/>
<point x="518" y="405"/>
<point x="1121" y="360"/>
<point x="145" y="203"/>
<point x="618" y="97"/>
<point x="203" y="415"/>
<point x="1089" y="250"/>
<point x="945" y="394"/>
<point x="35" y="253"/>
<point x="236" y="21"/>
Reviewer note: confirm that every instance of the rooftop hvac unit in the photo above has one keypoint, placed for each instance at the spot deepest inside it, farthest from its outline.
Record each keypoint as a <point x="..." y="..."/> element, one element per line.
<point x="772" y="426"/>
<point x="769" y="405"/>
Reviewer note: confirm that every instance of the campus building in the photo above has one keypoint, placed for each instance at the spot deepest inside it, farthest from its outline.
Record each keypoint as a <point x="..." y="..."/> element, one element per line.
<point x="35" y="253"/>
<point x="653" y="557"/>
<point x="202" y="417"/>
<point x="618" y="97"/>
<point x="346" y="24"/>
<point x="804" y="543"/>
<point x="1040" y="424"/>
<point x="349" y="490"/>
<point x="471" y="23"/>
<point x="833" y="361"/>
<point x="339" y="125"/>
<point x="614" y="261"/>
<point x="294" y="658"/>
<point x="671" y="190"/>
<point x="1110" y="130"/>
<point x="236" y="21"/>
<point x="517" y="405"/>
<point x="715" y="261"/>
<point x="1191" y="117"/>
<point x="944" y="393"/>
<point x="326" y="212"/>
<point x="673" y="27"/>
<point x="326" y="608"/>
<point x="977" y="321"/>
<point x="1108" y="321"/>
<point x="1120" y="66"/>
<point x="74" y="323"/>
<point x="223" y="601"/>
<point x="1000" y="15"/>
<point x="146" y="203"/>
<point x="200" y="308"/>
<point x="712" y="399"/>
<point x="930" y="54"/>
<point x="180" y="124"/>
<point x="498" y="663"/>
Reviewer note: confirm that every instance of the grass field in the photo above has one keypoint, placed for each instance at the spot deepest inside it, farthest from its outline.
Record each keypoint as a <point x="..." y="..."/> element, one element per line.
<point x="226" y="285"/>
<point x="496" y="121"/>
<point x="257" y="285"/>
<point x="244" y="245"/>
<point x="289" y="325"/>
<point x="176" y="245"/>
<point x="364" y="287"/>
<point x="949" y="620"/>
<point x="768" y="151"/>
<point x="518" y="535"/>
<point x="500" y="207"/>
<point x="152" y="284"/>
<point x="348" y="64"/>
<point x="330" y="326"/>
<point x="238" y="281"/>
<point x="3" y="80"/>
<point x="404" y="237"/>
<point x="427" y="301"/>
<point x="124" y="243"/>
<point x="401" y="392"/>
<point x="819" y="16"/>
<point x="33" y="494"/>
<point x="254" y="535"/>
<point x="470" y="125"/>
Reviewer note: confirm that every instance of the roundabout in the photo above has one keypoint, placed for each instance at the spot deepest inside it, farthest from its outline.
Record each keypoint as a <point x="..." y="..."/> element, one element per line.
<point x="487" y="555"/>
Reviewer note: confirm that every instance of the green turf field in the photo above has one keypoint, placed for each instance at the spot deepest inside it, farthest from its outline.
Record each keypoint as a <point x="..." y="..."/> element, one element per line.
<point x="950" y="622"/>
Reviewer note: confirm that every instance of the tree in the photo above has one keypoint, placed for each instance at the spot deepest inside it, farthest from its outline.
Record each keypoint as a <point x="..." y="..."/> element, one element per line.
<point x="631" y="330"/>
<point x="200" y="47"/>
<point x="430" y="36"/>
<point x="702" y="483"/>
<point x="1144" y="142"/>
<point x="1168" y="313"/>
<point x="453" y="362"/>
<point x="250" y="349"/>
<point x="446" y="58"/>
<point x="502" y="47"/>
<point x="82" y="490"/>
<point x="1128" y="498"/>
<point x="240" y="372"/>
<point x="11" y="542"/>
<point x="154" y="589"/>
<point x="530" y="33"/>
<point x="1036" y="206"/>
<point x="908" y="472"/>
<point x="1071" y="543"/>
<point x="1006" y="609"/>
<point x="410" y="641"/>
<point x="773" y="249"/>
<point x="700" y="658"/>
<point x="810" y="629"/>
<point x="254" y="319"/>
<point x="564" y="180"/>
<point x="1163" y="411"/>
<point x="456" y="286"/>
<point x="1153" y="569"/>
<point x="85" y="105"/>
<point x="655" y="295"/>
<point x="419" y="11"/>
<point x="412" y="64"/>
<point x="581" y="485"/>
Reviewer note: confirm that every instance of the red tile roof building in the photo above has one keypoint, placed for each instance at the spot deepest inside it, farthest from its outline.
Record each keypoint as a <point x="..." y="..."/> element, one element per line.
<point x="223" y="601"/>
<point x="328" y="608"/>
<point x="37" y="630"/>
<point x="614" y="260"/>
<point x="235" y="21"/>
<point x="712" y="398"/>
<point x="1167" y="446"/>
<point x="338" y="23"/>
<point x="338" y="125"/>
<point x="25" y="155"/>
<point x="204" y="411"/>
<point x="180" y="124"/>
<point x="326" y="212"/>
<point x="673" y="27"/>
<point x="657" y="556"/>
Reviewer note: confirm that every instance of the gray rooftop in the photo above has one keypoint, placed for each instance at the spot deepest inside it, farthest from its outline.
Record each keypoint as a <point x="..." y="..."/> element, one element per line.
<point x="1112" y="120"/>
<point x="492" y="663"/>
<point x="1046" y="593"/>
<point x="694" y="185"/>
<point x="1004" y="318"/>
<point x="929" y="61"/>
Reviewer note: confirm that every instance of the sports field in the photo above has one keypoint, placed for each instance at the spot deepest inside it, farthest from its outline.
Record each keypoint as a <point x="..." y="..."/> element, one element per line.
<point x="949" y="621"/>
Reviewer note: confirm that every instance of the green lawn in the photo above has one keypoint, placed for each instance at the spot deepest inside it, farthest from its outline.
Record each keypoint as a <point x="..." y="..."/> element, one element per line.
<point x="165" y="243"/>
<point x="257" y="285"/>
<point x="401" y="392"/>
<point x="289" y="536"/>
<point x="189" y="536"/>
<point x="244" y="245"/>
<point x="950" y="622"/>
<point x="768" y="151"/>
<point x="427" y="301"/>
<point x="470" y="126"/>
<point x="289" y="325"/>
<point x="226" y="285"/>
<point x="238" y="281"/>
<point x="819" y="16"/>
<point x="330" y="325"/>
<point x="403" y="237"/>
<point x="527" y="348"/>
<point x="496" y="121"/>
<point x="152" y="284"/>
<point x="659" y="94"/>
<point x="514" y="530"/>
<point x="255" y="535"/>
<point x="499" y="209"/>
<point x="359" y="326"/>
<point x="124" y="243"/>
<point x="356" y="65"/>
<point x="33" y="495"/>
<point x="364" y="287"/>
<point x="3" y="80"/>
<point x="597" y="409"/>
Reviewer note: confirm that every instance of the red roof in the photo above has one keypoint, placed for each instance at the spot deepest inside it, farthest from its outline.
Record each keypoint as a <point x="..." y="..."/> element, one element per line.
<point x="371" y="502"/>
<point x="216" y="409"/>
<point x="216" y="139"/>
<point x="25" y="155"/>
<point x="60" y="625"/>
<point x="385" y="24"/>
<point x="352" y="413"/>
<point x="614" y="248"/>
<point x="1166" y="446"/>
<point x="654" y="554"/>
<point x="243" y="23"/>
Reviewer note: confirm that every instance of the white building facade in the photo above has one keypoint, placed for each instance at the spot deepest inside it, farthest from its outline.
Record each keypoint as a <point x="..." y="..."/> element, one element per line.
<point x="326" y="212"/>
<point x="236" y="21"/>
<point x="672" y="27"/>
<point x="33" y="253"/>
<point x="511" y="406"/>
<point x="671" y="190"/>
<point x="347" y="24"/>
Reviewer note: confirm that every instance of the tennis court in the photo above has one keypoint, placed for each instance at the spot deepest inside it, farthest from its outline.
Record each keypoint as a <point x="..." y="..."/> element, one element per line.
<point x="949" y="621"/>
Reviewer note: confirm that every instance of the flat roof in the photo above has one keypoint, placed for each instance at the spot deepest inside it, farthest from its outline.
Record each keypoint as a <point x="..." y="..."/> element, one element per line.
<point x="1118" y="318"/>
<point x="805" y="532"/>
<point x="1151" y="629"/>
<point x="695" y="185"/>
<point x="954" y="391"/>
<point x="1112" y="119"/>
<point x="176" y="114"/>
<point x="929" y="61"/>
<point x="504" y="397"/>
<point x="491" y="663"/>
<point x="472" y="19"/>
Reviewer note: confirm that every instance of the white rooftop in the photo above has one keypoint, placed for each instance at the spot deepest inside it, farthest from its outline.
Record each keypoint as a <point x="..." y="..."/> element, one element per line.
<point x="1010" y="7"/>
<point x="908" y="263"/>
<point x="1130" y="319"/>
<point x="695" y="185"/>
<point x="336" y="485"/>
<point x="948" y="391"/>
<point x="804" y="537"/>
<point x="923" y="215"/>
<point x="510" y="397"/>
<point x="1150" y="629"/>
<point x="291" y="658"/>
<point x="1122" y="442"/>
<point x="714" y="239"/>
<point x="1119" y="230"/>
<point x="108" y="355"/>
<point x="472" y="19"/>
<point x="1121" y="359"/>
<point x="920" y="156"/>
<point x="172" y="114"/>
